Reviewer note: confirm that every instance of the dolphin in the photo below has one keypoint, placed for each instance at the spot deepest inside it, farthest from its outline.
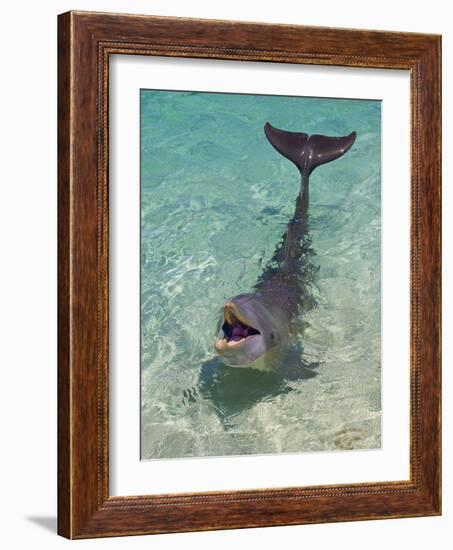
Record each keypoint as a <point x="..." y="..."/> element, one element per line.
<point x="254" y="327"/>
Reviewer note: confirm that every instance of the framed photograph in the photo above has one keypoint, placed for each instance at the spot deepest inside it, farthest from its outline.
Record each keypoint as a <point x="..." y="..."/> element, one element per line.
<point x="249" y="275"/>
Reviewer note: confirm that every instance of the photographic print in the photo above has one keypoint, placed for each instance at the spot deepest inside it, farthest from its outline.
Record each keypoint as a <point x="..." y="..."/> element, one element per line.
<point x="222" y="230"/>
<point x="260" y="274"/>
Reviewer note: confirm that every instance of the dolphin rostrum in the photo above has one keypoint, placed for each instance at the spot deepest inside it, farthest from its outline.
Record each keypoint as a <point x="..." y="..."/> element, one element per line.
<point x="254" y="326"/>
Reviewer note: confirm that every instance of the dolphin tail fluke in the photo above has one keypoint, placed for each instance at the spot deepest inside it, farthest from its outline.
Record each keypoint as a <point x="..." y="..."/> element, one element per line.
<point x="308" y="152"/>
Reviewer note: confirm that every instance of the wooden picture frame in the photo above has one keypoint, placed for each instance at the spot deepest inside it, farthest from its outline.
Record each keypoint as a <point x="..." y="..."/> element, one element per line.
<point x="85" y="42"/>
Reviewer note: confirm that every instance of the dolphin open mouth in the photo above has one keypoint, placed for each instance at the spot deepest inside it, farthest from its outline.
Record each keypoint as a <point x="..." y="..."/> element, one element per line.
<point x="236" y="328"/>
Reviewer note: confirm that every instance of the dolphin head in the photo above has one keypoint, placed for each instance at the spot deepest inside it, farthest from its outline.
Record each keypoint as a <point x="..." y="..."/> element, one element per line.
<point x="247" y="330"/>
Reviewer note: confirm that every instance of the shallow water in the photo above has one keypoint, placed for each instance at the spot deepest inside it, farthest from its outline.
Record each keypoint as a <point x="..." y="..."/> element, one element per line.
<point x="215" y="201"/>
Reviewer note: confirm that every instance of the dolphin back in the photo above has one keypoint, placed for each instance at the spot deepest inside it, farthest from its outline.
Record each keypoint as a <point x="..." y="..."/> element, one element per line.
<point x="305" y="151"/>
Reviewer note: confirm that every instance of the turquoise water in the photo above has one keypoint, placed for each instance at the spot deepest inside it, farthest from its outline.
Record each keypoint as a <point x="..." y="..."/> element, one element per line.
<point x="215" y="201"/>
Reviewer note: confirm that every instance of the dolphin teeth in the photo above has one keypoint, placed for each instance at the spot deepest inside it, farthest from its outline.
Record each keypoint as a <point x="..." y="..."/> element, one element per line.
<point x="232" y="314"/>
<point x="228" y="316"/>
<point x="236" y="329"/>
<point x="235" y="342"/>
